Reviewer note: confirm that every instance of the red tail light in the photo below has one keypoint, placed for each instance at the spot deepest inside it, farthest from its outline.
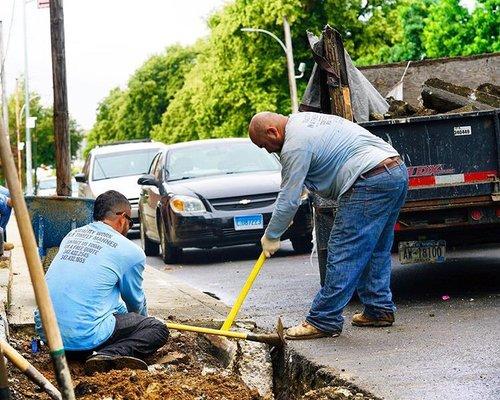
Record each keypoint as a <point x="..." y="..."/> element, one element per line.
<point x="397" y="227"/>
<point x="476" y="215"/>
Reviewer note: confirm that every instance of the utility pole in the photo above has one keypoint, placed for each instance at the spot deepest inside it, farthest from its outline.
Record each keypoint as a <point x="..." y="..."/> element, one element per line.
<point x="5" y="111"/>
<point x="29" y="166"/>
<point x="61" y="120"/>
<point x="291" y="66"/>
<point x="18" y="135"/>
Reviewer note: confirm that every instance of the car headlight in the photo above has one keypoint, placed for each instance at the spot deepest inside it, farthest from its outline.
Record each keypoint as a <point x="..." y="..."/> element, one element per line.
<point x="182" y="204"/>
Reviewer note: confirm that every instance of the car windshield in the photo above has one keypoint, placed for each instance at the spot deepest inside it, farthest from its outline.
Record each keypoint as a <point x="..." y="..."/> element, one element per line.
<point x="124" y="163"/>
<point x="218" y="158"/>
<point x="47" y="184"/>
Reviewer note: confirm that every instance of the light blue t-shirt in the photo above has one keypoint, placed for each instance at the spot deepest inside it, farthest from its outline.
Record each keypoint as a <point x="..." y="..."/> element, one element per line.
<point x="326" y="153"/>
<point x="96" y="273"/>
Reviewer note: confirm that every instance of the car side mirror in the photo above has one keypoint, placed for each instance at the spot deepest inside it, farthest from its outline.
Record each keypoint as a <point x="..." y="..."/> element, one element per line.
<point x="80" y="177"/>
<point x="148" y="180"/>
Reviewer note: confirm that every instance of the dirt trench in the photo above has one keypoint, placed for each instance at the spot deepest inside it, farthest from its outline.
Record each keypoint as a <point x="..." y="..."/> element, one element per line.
<point x="192" y="367"/>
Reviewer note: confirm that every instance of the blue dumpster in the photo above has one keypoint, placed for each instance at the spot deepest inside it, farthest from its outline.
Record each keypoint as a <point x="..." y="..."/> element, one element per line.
<point x="53" y="217"/>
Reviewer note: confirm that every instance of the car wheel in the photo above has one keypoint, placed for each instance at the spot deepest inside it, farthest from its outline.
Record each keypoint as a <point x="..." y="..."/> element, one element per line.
<point x="150" y="248"/>
<point x="170" y="254"/>
<point x="302" y="244"/>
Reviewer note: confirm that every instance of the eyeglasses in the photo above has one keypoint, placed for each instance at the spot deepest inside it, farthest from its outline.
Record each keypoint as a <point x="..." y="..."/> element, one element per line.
<point x="130" y="222"/>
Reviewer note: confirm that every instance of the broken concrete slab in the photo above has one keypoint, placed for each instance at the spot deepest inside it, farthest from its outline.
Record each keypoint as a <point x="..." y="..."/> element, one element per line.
<point x="444" y="96"/>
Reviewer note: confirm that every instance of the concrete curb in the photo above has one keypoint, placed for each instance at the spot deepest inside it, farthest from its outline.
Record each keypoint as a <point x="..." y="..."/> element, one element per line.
<point x="294" y="374"/>
<point x="5" y="294"/>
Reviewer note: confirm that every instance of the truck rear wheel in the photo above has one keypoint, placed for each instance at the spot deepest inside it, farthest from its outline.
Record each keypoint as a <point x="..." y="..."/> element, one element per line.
<point x="302" y="244"/>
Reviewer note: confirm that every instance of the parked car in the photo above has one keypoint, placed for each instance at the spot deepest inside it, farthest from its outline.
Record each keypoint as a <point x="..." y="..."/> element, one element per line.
<point x="213" y="193"/>
<point x="48" y="186"/>
<point x="117" y="167"/>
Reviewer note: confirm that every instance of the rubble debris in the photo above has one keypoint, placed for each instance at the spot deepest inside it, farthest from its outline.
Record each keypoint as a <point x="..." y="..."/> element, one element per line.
<point x="467" y="108"/>
<point x="331" y="393"/>
<point x="399" y="108"/>
<point x="444" y="96"/>
<point x="197" y="375"/>
<point x="489" y="88"/>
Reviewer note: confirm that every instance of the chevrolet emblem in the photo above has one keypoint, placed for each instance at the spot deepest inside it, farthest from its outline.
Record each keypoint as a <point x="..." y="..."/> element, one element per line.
<point x="245" y="201"/>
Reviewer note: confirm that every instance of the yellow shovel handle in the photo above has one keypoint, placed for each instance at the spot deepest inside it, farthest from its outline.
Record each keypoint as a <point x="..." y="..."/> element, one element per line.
<point x="243" y="294"/>
<point x="199" y="329"/>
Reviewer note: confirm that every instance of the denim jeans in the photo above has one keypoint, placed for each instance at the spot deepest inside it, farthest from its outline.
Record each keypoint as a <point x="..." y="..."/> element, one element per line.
<point x="5" y="210"/>
<point x="359" y="249"/>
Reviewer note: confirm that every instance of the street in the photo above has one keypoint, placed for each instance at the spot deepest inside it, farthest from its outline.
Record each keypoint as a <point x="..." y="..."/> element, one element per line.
<point x="439" y="348"/>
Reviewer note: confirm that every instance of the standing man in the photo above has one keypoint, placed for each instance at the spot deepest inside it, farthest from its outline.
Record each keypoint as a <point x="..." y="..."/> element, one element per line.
<point x="339" y="160"/>
<point x="5" y="211"/>
<point x="95" y="283"/>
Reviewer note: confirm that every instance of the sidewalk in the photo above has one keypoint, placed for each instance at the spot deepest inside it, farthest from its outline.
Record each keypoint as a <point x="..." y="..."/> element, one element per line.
<point x="167" y="297"/>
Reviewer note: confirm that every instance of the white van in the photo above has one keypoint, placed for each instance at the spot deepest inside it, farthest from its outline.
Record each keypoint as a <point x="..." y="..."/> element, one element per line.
<point x="117" y="167"/>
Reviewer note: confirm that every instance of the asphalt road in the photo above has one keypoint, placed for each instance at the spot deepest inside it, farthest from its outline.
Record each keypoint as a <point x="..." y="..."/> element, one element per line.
<point x="438" y="349"/>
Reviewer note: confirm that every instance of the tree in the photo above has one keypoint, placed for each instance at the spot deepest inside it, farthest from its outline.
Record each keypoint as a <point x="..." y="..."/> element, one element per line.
<point x="412" y="19"/>
<point x="108" y="115"/>
<point x="42" y="135"/>
<point x="445" y="33"/>
<point x="485" y="25"/>
<point x="227" y="77"/>
<point x="132" y="113"/>
<point x="238" y="74"/>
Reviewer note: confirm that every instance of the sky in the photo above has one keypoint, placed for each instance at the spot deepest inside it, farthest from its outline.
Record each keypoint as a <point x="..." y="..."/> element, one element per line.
<point x="106" y="41"/>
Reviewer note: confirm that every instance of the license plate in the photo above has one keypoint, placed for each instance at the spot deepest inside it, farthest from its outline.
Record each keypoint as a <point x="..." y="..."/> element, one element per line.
<point x="429" y="251"/>
<point x="248" y="222"/>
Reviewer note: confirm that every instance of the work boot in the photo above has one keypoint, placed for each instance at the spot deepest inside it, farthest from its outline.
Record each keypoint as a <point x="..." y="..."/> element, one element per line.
<point x="7" y="246"/>
<point x="361" y="319"/>
<point x="104" y="363"/>
<point x="306" y="331"/>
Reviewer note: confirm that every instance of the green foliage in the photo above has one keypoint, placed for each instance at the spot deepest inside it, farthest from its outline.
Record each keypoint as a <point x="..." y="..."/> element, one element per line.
<point x="445" y="32"/>
<point x="213" y="88"/>
<point x="132" y="113"/>
<point x="412" y="16"/>
<point x="240" y="73"/>
<point x="485" y="25"/>
<point x="42" y="136"/>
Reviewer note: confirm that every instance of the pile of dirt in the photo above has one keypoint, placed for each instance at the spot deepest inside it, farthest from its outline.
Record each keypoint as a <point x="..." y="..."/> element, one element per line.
<point x="181" y="370"/>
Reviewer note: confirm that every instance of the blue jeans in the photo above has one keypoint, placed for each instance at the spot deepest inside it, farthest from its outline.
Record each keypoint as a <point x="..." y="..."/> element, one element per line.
<point x="359" y="249"/>
<point x="5" y="210"/>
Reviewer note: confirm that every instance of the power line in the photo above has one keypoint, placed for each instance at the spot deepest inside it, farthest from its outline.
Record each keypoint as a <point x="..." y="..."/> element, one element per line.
<point x="10" y="31"/>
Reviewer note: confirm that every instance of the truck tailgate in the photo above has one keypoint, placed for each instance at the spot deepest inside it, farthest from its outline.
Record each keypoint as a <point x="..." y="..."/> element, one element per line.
<point x="448" y="156"/>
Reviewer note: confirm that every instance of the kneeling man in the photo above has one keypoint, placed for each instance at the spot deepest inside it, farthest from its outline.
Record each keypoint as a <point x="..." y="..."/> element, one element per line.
<point x="95" y="283"/>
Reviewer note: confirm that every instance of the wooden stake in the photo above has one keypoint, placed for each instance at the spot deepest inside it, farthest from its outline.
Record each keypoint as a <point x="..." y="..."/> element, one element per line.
<point x="4" y="382"/>
<point x="340" y="94"/>
<point x="29" y="370"/>
<point x="36" y="271"/>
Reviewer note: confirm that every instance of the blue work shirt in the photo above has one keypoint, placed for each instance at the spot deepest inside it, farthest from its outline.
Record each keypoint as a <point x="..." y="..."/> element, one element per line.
<point x="96" y="273"/>
<point x="326" y="153"/>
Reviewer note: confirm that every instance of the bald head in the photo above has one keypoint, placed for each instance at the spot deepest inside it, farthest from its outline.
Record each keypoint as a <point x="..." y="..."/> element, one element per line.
<point x="267" y="130"/>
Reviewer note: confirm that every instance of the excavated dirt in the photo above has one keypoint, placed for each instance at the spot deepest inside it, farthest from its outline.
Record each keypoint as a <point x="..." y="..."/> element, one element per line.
<point x="181" y="370"/>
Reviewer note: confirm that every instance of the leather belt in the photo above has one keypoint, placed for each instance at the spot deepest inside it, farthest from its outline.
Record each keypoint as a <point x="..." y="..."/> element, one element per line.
<point x="385" y="165"/>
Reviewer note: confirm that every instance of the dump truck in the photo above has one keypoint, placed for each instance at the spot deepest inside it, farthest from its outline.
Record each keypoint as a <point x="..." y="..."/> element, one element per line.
<point x="453" y="163"/>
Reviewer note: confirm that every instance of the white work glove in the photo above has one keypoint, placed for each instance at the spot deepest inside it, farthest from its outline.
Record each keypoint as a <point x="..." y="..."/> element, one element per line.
<point x="269" y="246"/>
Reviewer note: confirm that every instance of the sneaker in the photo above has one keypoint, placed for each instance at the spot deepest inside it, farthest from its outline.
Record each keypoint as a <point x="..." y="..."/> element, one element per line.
<point x="306" y="331"/>
<point x="104" y="363"/>
<point x="360" y="319"/>
<point x="7" y="246"/>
